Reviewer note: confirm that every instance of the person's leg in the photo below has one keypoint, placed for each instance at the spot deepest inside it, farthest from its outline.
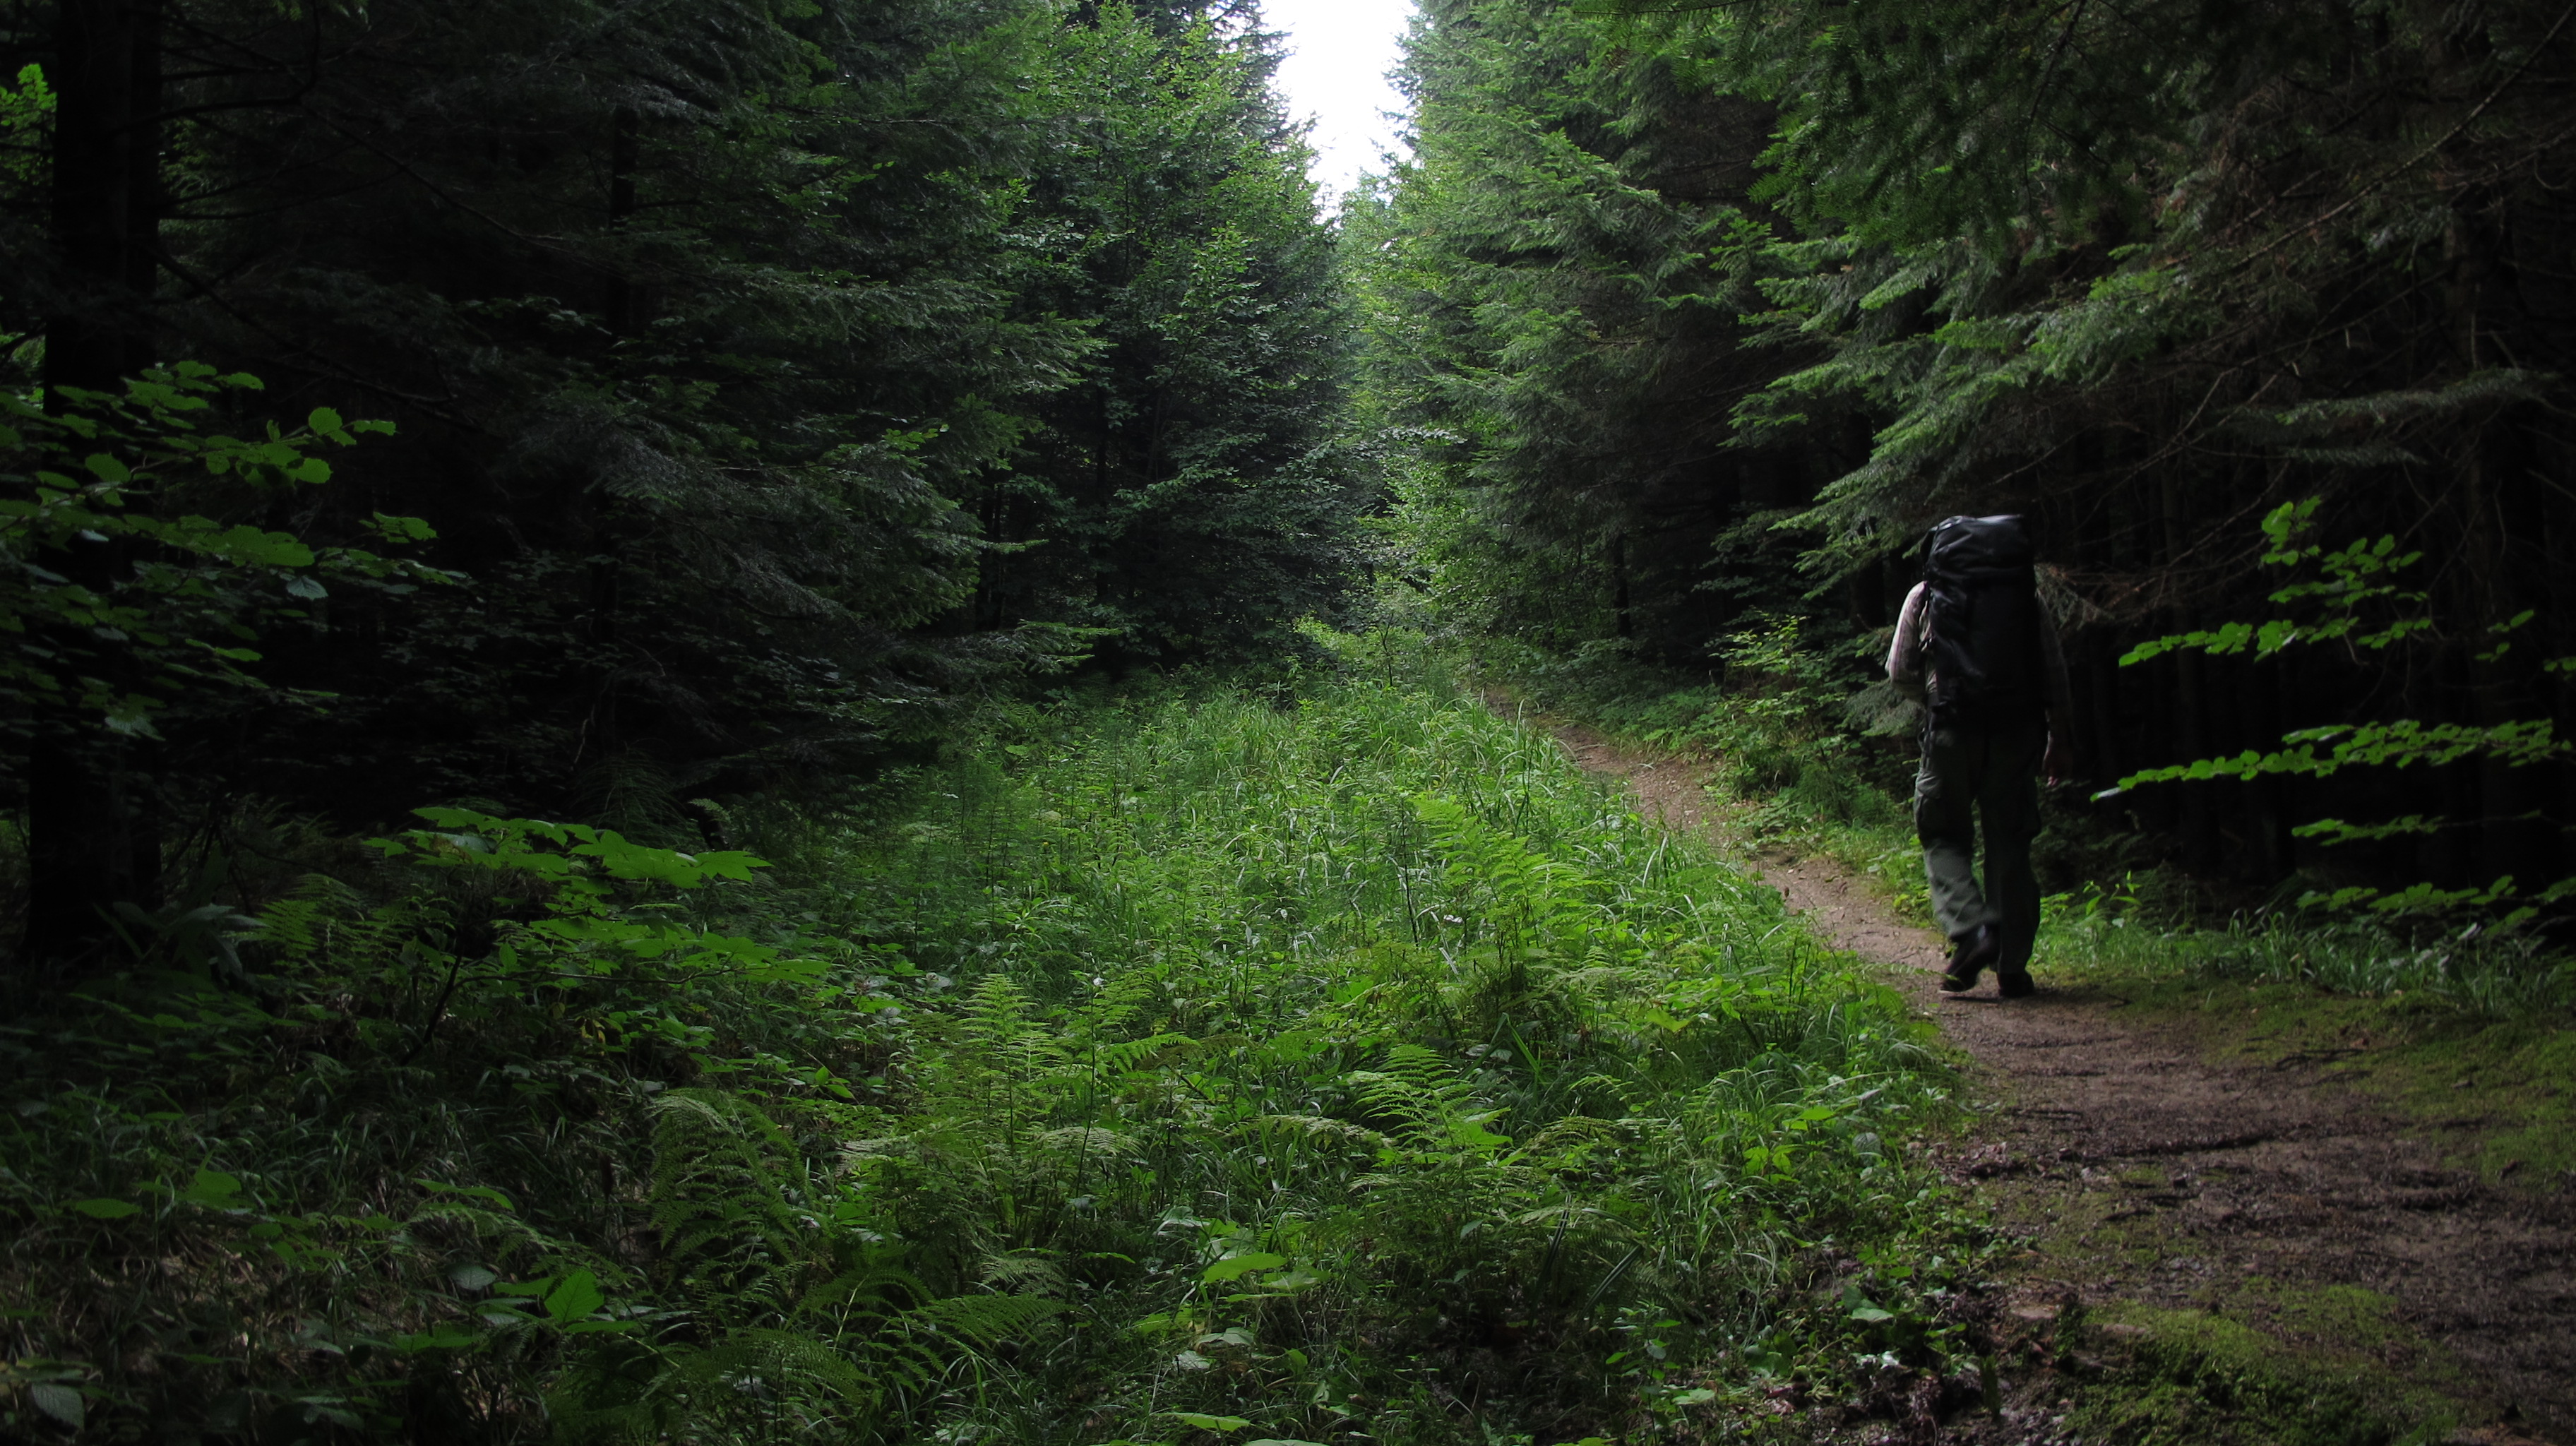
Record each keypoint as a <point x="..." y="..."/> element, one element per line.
<point x="2008" y="805"/>
<point x="1945" y="796"/>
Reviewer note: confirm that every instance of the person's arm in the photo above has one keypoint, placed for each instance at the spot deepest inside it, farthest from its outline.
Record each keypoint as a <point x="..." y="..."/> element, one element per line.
<point x="1905" y="654"/>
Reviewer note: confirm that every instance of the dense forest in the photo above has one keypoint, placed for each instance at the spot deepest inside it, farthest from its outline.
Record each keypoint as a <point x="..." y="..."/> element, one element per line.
<point x="933" y="605"/>
<point x="764" y="380"/>
<point x="1704" y="315"/>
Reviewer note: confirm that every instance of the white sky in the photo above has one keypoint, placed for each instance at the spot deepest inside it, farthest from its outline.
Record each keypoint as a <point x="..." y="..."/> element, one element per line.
<point x="1339" y="52"/>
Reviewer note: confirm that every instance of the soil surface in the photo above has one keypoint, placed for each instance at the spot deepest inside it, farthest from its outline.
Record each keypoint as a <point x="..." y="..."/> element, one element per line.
<point x="2152" y="1173"/>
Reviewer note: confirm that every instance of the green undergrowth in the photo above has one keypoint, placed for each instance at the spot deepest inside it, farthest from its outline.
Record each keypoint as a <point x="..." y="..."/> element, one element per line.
<point x="1804" y="764"/>
<point x="1809" y="765"/>
<point x="2113" y="935"/>
<point x="1181" y="1068"/>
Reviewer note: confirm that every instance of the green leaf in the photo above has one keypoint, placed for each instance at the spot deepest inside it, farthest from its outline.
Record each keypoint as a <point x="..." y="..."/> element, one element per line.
<point x="1236" y="1267"/>
<point x="1288" y="1282"/>
<point x="575" y="1298"/>
<point x="323" y="419"/>
<point x="58" y="1401"/>
<point x="213" y="1188"/>
<point x="106" y="1209"/>
<point x="1206" y="1422"/>
<point x="472" y="1192"/>
<point x="440" y="1337"/>
<point x="107" y="469"/>
<point x="252" y="547"/>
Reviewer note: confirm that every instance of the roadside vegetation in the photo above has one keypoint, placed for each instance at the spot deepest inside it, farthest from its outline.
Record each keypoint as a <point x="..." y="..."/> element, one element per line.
<point x="1200" y="1064"/>
<point x="2458" y="1030"/>
<point x="1814" y="757"/>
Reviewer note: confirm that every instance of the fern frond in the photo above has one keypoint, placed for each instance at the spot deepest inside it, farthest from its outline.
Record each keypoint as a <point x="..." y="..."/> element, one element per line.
<point x="985" y="1320"/>
<point x="1083" y="1140"/>
<point x="1319" y="1126"/>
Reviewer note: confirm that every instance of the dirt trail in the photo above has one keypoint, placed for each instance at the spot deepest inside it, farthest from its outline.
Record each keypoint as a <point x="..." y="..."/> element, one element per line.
<point x="2148" y="1173"/>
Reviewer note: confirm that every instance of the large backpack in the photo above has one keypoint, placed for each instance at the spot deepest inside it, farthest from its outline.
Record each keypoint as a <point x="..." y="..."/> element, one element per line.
<point x="1982" y="604"/>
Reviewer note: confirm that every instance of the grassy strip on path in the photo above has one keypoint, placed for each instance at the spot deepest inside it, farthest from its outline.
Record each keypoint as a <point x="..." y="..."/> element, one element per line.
<point x="1182" y="1069"/>
<point x="1361" y="1070"/>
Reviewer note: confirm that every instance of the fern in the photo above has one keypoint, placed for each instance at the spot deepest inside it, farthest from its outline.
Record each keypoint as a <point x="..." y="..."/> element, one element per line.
<point x="721" y="1192"/>
<point x="793" y="1307"/>
<point x="1534" y="903"/>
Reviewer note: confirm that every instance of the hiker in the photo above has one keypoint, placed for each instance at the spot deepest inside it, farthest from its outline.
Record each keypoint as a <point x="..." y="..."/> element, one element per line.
<point x="1973" y="644"/>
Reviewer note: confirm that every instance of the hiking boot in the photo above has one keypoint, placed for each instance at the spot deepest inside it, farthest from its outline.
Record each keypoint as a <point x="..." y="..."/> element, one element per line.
<point x="2015" y="985"/>
<point x="1975" y="951"/>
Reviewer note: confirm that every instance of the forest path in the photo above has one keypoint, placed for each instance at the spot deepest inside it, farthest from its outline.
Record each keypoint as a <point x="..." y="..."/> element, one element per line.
<point x="2153" y="1173"/>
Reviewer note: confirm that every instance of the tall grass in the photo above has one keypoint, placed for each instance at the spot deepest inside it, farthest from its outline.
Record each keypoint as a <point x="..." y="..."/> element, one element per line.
<point x="1182" y="1068"/>
<point x="2470" y="969"/>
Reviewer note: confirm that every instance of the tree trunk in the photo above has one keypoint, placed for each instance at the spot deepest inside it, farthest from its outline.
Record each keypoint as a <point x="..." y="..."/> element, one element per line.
<point x="1620" y="620"/>
<point x="623" y="143"/>
<point x="91" y="835"/>
<point x="2190" y="704"/>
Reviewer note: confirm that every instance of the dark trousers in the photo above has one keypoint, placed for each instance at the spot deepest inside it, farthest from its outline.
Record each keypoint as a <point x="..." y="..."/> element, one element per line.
<point x="1968" y="772"/>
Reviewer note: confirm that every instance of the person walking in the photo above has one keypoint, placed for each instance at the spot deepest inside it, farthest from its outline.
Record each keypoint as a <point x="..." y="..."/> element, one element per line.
<point x="1973" y="644"/>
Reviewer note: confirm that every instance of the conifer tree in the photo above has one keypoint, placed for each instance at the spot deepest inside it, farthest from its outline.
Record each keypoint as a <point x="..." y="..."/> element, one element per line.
<point x="1550" y="339"/>
<point x="1184" y="495"/>
<point x="726" y="346"/>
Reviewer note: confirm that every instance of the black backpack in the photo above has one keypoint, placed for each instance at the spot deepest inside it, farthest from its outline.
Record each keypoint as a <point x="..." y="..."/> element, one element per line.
<point x="1981" y="600"/>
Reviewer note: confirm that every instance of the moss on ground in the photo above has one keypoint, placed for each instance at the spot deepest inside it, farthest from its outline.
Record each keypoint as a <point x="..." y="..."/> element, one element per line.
<point x="2167" y="1377"/>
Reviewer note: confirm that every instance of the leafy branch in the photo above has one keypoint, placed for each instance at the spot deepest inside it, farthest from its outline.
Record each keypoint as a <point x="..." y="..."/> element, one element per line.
<point x="120" y="602"/>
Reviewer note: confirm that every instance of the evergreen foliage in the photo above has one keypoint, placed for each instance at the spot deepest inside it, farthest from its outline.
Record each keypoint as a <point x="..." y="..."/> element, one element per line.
<point x="2146" y="274"/>
<point x="1185" y="493"/>
<point x="779" y="376"/>
<point x="1553" y="352"/>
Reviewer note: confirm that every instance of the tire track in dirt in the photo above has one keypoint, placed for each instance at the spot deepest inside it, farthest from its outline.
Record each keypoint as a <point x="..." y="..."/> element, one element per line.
<point x="2149" y="1173"/>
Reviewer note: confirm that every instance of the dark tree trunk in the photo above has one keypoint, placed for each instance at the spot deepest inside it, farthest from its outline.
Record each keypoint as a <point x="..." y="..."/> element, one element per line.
<point x="2190" y="712"/>
<point x="623" y="141"/>
<point x="1621" y="620"/>
<point x="92" y="839"/>
<point x="1869" y="596"/>
<point x="99" y="58"/>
